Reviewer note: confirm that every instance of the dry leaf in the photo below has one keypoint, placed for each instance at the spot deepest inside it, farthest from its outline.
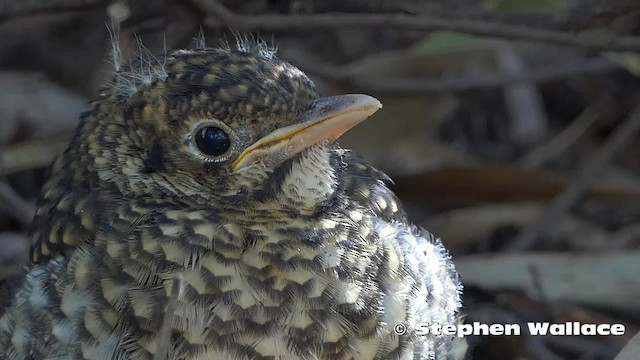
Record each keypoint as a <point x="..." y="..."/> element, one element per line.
<point x="459" y="186"/>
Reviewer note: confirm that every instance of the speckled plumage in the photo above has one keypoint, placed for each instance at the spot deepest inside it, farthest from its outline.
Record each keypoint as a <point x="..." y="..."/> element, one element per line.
<point x="311" y="258"/>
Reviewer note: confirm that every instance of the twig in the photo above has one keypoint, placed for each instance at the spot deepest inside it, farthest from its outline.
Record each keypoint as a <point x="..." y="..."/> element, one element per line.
<point x="631" y="350"/>
<point x="31" y="154"/>
<point x="538" y="290"/>
<point x="15" y="206"/>
<point x="523" y="100"/>
<point x="618" y="140"/>
<point x="12" y="8"/>
<point x="580" y="16"/>
<point x="349" y="74"/>
<point x="409" y="22"/>
<point x="164" y="339"/>
<point x="563" y="141"/>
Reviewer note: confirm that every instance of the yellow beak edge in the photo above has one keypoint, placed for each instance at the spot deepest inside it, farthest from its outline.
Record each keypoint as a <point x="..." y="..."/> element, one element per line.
<point x="326" y="120"/>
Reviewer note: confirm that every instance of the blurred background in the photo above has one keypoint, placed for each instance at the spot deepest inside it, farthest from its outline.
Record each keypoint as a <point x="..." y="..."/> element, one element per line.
<point x="510" y="128"/>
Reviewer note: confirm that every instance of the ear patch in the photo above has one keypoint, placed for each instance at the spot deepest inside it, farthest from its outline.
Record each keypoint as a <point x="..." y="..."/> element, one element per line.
<point x="155" y="160"/>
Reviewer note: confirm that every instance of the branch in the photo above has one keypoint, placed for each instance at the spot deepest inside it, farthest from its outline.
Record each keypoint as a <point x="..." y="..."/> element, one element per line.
<point x="350" y="75"/>
<point x="537" y="157"/>
<point x="624" y="134"/>
<point x="31" y="154"/>
<point x="409" y="22"/>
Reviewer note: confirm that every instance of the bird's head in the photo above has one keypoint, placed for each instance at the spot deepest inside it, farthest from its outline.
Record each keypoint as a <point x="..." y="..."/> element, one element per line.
<point x="219" y="125"/>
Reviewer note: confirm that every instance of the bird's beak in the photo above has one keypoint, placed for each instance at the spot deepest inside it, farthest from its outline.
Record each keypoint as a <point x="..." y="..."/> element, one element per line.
<point x="326" y="120"/>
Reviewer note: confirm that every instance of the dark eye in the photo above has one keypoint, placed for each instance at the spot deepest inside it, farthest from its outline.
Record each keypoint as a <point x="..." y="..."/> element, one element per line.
<point x="212" y="141"/>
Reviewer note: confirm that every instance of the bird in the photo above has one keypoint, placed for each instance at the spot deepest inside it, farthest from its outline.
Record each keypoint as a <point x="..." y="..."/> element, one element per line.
<point x="204" y="210"/>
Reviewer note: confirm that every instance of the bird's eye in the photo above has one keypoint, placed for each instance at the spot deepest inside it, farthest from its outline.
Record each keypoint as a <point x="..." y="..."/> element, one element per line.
<point x="212" y="141"/>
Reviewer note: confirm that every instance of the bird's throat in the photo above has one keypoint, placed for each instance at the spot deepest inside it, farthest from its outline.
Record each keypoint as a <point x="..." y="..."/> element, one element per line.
<point x="311" y="179"/>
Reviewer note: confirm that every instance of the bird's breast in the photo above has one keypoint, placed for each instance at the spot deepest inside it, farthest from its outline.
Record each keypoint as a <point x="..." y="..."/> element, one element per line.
<point x="271" y="283"/>
<point x="252" y="285"/>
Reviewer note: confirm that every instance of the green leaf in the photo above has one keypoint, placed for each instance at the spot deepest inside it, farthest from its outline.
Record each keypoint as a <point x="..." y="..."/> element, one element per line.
<point x="438" y="41"/>
<point x="523" y="6"/>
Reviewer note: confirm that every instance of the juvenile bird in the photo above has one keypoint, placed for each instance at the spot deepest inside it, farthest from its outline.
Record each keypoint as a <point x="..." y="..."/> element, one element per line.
<point x="203" y="211"/>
